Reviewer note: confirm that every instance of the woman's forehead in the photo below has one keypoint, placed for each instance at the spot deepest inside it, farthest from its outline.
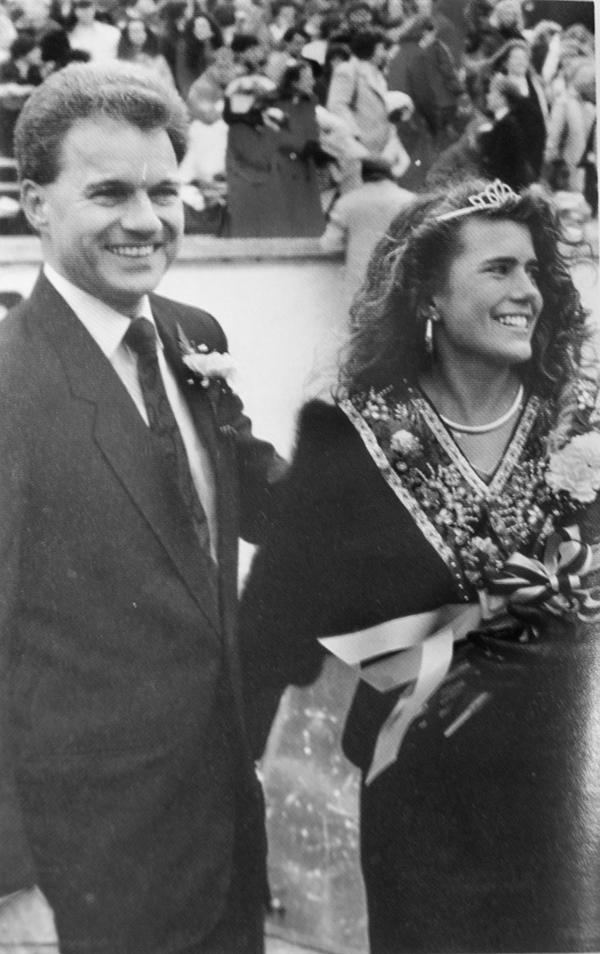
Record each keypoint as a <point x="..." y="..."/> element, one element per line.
<point x="479" y="239"/>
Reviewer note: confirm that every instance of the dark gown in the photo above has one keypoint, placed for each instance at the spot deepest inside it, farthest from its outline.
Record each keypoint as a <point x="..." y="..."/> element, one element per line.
<point x="484" y="841"/>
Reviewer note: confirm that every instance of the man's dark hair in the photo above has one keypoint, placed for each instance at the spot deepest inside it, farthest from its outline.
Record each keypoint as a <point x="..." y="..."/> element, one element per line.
<point x="119" y="91"/>
<point x="293" y="31"/>
<point x="363" y="44"/>
<point x="240" y="42"/>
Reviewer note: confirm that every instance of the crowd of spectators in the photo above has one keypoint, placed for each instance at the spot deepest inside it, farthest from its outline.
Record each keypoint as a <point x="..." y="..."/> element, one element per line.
<point x="296" y="103"/>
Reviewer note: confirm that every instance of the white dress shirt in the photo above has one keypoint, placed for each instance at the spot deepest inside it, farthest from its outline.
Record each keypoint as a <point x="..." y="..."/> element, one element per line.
<point x="108" y="327"/>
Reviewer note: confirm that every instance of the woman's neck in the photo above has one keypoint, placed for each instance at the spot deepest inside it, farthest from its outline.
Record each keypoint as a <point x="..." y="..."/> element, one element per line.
<point x="469" y="396"/>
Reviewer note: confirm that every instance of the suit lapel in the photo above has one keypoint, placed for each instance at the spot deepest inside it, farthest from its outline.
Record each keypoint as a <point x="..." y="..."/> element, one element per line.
<point x="123" y="439"/>
<point x="196" y="396"/>
<point x="204" y="415"/>
<point x="374" y="81"/>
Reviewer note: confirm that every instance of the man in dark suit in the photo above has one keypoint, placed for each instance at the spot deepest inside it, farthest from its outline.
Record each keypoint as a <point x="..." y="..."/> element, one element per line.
<point x="130" y="814"/>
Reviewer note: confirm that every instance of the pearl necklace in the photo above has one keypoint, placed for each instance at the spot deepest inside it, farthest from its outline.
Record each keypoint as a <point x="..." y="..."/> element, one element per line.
<point x="486" y="428"/>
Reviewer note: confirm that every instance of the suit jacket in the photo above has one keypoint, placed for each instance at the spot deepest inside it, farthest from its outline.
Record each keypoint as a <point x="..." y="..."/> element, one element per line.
<point x="125" y="778"/>
<point x="357" y="94"/>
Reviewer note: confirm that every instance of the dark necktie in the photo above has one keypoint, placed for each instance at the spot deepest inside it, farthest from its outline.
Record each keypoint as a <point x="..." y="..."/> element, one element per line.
<point x="141" y="338"/>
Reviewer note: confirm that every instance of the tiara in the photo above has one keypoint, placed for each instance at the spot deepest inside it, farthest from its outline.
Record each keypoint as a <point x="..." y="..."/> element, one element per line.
<point x="494" y="196"/>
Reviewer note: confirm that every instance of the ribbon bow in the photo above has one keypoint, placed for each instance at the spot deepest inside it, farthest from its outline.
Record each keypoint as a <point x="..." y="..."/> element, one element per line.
<point x="556" y="581"/>
<point x="415" y="652"/>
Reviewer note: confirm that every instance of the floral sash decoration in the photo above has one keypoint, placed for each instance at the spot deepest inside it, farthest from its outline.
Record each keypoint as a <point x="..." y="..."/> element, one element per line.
<point x="506" y="542"/>
<point x="477" y="526"/>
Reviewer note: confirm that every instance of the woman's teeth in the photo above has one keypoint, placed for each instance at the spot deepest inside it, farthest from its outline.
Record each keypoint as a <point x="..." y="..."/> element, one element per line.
<point x="514" y="321"/>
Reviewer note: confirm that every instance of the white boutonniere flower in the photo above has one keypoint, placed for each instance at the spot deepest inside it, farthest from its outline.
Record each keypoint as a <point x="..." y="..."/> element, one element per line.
<point x="205" y="365"/>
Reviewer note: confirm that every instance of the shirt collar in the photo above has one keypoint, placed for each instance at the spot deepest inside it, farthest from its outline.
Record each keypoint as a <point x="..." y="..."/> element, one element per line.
<point x="105" y="325"/>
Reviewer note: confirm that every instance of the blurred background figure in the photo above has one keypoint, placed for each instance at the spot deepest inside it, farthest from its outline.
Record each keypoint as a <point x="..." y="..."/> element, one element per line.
<point x="92" y="35"/>
<point x="285" y="15"/>
<point x="296" y="196"/>
<point x="570" y="129"/>
<point x="288" y="51"/>
<point x="203" y="169"/>
<point x="19" y="75"/>
<point x="360" y="218"/>
<point x="424" y="68"/>
<point x="531" y="111"/>
<point x="139" y="44"/>
<point x="35" y="18"/>
<point x="251" y="142"/>
<point x="272" y="149"/>
<point x="8" y="33"/>
<point x="189" y="43"/>
<point x="504" y="150"/>
<point x="56" y="52"/>
<point x="357" y="92"/>
<point x="207" y="94"/>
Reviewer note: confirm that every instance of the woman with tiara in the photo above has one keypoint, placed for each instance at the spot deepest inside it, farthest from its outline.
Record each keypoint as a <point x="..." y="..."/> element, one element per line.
<point x="438" y="529"/>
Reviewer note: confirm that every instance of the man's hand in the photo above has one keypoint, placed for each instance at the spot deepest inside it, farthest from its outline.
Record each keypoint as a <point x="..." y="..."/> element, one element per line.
<point x="27" y="924"/>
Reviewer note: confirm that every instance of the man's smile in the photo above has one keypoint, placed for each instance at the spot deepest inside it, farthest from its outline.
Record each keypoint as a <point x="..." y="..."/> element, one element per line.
<point x="134" y="251"/>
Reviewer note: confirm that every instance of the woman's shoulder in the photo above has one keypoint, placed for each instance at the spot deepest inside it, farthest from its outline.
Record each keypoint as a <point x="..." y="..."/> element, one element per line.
<point x="328" y="450"/>
<point x="321" y="425"/>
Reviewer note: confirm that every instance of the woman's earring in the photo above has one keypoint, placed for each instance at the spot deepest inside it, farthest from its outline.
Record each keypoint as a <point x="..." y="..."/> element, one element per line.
<point x="429" y="336"/>
<point x="433" y="315"/>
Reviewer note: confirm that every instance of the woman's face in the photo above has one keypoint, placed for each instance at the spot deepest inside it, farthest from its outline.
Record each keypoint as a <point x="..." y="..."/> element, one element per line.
<point x="490" y="302"/>
<point x="202" y="28"/>
<point x="517" y="62"/>
<point x="136" y="31"/>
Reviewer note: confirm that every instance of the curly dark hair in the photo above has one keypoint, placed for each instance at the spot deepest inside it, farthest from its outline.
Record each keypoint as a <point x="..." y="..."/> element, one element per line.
<point x="409" y="265"/>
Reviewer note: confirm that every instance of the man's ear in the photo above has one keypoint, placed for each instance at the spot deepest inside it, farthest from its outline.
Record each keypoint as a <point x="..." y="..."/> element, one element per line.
<point x="34" y="204"/>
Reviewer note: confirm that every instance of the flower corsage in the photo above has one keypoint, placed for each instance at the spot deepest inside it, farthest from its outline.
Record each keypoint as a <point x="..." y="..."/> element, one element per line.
<point x="205" y="366"/>
<point x="560" y="582"/>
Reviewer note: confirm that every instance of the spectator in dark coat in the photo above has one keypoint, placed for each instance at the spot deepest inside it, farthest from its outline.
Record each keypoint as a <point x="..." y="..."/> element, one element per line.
<point x="504" y="152"/>
<point x="271" y="172"/>
<point x="514" y="61"/>
<point x="297" y="196"/>
<point x="423" y="68"/>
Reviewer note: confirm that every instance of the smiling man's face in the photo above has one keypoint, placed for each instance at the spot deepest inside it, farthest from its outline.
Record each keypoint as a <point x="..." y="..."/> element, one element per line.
<point x="112" y="221"/>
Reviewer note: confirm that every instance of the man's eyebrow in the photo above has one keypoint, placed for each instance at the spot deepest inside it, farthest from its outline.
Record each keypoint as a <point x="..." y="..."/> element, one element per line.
<point x="120" y="184"/>
<point x="125" y="185"/>
<point x="170" y="181"/>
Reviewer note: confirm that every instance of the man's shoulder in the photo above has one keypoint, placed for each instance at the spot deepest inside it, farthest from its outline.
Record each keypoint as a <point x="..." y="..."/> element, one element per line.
<point x="13" y="327"/>
<point x="21" y="359"/>
<point x="347" y="68"/>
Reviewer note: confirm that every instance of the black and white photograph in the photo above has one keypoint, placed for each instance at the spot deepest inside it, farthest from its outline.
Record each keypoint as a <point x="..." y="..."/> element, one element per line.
<point x="299" y="477"/>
